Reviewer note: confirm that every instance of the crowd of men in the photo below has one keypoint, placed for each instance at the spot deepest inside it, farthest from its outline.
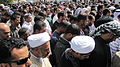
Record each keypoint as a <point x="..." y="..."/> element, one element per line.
<point x="65" y="34"/>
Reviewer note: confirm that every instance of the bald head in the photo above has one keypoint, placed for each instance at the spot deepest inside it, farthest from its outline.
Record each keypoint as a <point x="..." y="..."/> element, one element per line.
<point x="4" y="31"/>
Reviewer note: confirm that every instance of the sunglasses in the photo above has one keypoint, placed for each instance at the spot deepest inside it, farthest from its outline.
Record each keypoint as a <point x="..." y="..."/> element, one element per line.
<point x="21" y="61"/>
<point x="6" y="32"/>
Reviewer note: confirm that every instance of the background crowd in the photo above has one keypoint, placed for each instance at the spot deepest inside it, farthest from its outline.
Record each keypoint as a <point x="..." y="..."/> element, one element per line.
<point x="65" y="34"/>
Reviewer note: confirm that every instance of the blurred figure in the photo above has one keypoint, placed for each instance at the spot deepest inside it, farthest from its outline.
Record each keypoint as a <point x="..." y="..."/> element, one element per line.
<point x="24" y="33"/>
<point x="4" y="31"/>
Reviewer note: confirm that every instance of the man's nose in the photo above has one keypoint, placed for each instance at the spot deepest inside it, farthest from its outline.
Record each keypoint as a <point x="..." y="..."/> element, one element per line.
<point x="29" y="62"/>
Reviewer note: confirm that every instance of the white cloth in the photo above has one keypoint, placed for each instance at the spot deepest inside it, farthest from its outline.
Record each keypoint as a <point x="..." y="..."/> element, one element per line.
<point x="82" y="44"/>
<point x="112" y="8"/>
<point x="48" y="28"/>
<point x="92" y="28"/>
<point x="116" y="14"/>
<point x="55" y="18"/>
<point x="114" y="46"/>
<point x="29" y="26"/>
<point x="36" y="40"/>
<point x="77" y="11"/>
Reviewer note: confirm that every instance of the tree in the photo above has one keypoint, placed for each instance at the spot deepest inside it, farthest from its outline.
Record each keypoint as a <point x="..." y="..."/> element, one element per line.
<point x="6" y="1"/>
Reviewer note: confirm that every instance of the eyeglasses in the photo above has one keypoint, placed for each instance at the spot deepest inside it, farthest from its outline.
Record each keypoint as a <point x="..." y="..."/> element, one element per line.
<point x="22" y="61"/>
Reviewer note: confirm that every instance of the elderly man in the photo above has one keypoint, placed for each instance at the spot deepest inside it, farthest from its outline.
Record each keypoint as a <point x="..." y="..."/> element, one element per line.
<point x="4" y="31"/>
<point x="40" y="49"/>
<point x="14" y="52"/>
<point x="81" y="47"/>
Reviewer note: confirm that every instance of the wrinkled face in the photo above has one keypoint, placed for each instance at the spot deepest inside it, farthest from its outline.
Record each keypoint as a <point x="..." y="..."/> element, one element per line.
<point x="45" y="50"/>
<point x="80" y="56"/>
<point x="5" y="33"/>
<point x="21" y="55"/>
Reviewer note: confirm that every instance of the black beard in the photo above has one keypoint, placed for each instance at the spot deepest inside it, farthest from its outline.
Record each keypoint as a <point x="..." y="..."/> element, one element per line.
<point x="109" y="40"/>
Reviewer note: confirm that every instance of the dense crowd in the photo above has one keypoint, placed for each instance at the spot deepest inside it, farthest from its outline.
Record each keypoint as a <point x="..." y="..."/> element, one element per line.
<point x="64" y="34"/>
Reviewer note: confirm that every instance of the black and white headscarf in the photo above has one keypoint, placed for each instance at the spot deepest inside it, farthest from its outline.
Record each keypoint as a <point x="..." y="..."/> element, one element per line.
<point x="110" y="27"/>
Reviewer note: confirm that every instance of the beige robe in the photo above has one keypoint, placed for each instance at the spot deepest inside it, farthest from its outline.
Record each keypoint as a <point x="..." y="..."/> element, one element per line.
<point x="36" y="62"/>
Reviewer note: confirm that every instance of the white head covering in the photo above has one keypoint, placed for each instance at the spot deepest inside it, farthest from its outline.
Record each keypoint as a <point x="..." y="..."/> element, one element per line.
<point x="112" y="8"/>
<point x="82" y="44"/>
<point x="6" y="7"/>
<point x="84" y="9"/>
<point x="38" y="39"/>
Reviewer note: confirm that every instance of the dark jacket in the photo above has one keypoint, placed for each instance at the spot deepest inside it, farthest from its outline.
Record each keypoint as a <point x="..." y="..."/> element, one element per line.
<point x="61" y="46"/>
<point x="101" y="56"/>
<point x="73" y="62"/>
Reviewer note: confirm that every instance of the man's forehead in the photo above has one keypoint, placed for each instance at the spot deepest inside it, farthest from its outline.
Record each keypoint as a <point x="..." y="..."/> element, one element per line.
<point x="20" y="53"/>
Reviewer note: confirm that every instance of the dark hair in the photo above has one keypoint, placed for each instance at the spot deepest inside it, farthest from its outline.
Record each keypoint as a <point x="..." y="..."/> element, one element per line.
<point x="13" y="17"/>
<point x="118" y="16"/>
<point x="105" y="11"/>
<point x="26" y="16"/>
<point x="63" y="24"/>
<point x="81" y="17"/>
<point x="22" y="31"/>
<point x="7" y="45"/>
<point x="60" y="14"/>
<point x="41" y="13"/>
<point x="38" y="25"/>
<point x="73" y="29"/>
<point x="90" y="17"/>
<point x="37" y="18"/>
<point x="37" y="11"/>
<point x="99" y="7"/>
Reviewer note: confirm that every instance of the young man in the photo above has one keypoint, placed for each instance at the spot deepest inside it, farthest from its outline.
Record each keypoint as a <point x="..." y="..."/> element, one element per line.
<point x="63" y="42"/>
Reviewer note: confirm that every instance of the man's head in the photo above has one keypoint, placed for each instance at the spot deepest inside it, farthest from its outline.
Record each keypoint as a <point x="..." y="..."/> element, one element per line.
<point x="24" y="33"/>
<point x="82" y="20"/>
<point x="15" y="52"/>
<point x="39" y="27"/>
<point x="40" y="44"/>
<point x="4" y="31"/>
<point x="91" y="20"/>
<point x="15" y="19"/>
<point x="62" y="16"/>
<point x="107" y="12"/>
<point x="28" y="18"/>
<point x="71" y="31"/>
<point x="108" y="31"/>
<point x="62" y="27"/>
<point x="82" y="46"/>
